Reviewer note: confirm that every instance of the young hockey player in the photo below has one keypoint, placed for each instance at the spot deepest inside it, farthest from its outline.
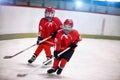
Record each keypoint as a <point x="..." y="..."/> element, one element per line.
<point x="48" y="26"/>
<point x="66" y="37"/>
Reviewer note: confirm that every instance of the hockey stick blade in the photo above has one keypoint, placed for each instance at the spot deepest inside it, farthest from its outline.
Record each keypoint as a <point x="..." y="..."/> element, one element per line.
<point x="47" y="62"/>
<point x="7" y="57"/>
<point x="21" y="75"/>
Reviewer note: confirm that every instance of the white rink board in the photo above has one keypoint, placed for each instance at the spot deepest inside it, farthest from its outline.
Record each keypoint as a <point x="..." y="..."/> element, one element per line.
<point x="17" y="19"/>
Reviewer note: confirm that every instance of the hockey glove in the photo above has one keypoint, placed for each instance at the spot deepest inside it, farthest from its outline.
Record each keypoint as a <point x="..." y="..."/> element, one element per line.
<point x="73" y="45"/>
<point x="53" y="34"/>
<point x="56" y="54"/>
<point x="39" y="39"/>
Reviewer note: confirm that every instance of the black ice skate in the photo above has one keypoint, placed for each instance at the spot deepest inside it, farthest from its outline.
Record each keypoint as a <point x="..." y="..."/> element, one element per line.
<point x="59" y="71"/>
<point x="48" y="61"/>
<point x="32" y="59"/>
<point x="51" y="70"/>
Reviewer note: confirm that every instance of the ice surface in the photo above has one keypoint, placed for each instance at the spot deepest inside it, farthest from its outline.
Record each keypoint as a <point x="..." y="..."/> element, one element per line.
<point x="94" y="59"/>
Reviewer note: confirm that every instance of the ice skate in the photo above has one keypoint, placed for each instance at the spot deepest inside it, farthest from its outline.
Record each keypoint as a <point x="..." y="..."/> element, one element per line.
<point x="48" y="61"/>
<point x="59" y="71"/>
<point x="32" y="59"/>
<point x="51" y="70"/>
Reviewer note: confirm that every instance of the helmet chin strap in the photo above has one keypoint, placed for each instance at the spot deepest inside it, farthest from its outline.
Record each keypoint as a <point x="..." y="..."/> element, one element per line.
<point x="49" y="18"/>
<point x="66" y="31"/>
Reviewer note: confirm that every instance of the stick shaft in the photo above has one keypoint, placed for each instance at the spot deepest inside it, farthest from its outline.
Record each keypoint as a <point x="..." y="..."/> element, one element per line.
<point x="58" y="55"/>
<point x="45" y="39"/>
<point x="29" y="72"/>
<point x="64" y="51"/>
<point x="27" y="48"/>
<point x="24" y="50"/>
<point x="32" y="46"/>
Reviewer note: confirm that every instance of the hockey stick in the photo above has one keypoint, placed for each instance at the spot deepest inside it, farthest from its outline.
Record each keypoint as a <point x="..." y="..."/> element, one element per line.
<point x="25" y="74"/>
<point x="8" y="57"/>
<point x="29" y="72"/>
<point x="58" y="56"/>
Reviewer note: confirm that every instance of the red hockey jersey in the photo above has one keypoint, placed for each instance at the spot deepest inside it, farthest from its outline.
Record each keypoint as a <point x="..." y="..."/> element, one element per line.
<point x="46" y="28"/>
<point x="62" y="41"/>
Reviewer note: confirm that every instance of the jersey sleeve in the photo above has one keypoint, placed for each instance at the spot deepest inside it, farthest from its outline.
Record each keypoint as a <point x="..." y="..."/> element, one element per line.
<point x="58" y="23"/>
<point x="58" y="41"/>
<point x="77" y="37"/>
<point x="41" y="28"/>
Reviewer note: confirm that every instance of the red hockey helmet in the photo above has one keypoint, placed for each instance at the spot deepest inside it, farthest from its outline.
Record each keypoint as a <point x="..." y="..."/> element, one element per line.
<point x="69" y="22"/>
<point x="49" y="9"/>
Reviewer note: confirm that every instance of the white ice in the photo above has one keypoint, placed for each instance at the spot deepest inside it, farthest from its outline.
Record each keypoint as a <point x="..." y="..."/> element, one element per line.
<point x="94" y="59"/>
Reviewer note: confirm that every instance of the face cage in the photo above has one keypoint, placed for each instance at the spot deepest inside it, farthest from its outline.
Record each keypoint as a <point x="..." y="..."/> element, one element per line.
<point x="49" y="14"/>
<point x="66" y="29"/>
